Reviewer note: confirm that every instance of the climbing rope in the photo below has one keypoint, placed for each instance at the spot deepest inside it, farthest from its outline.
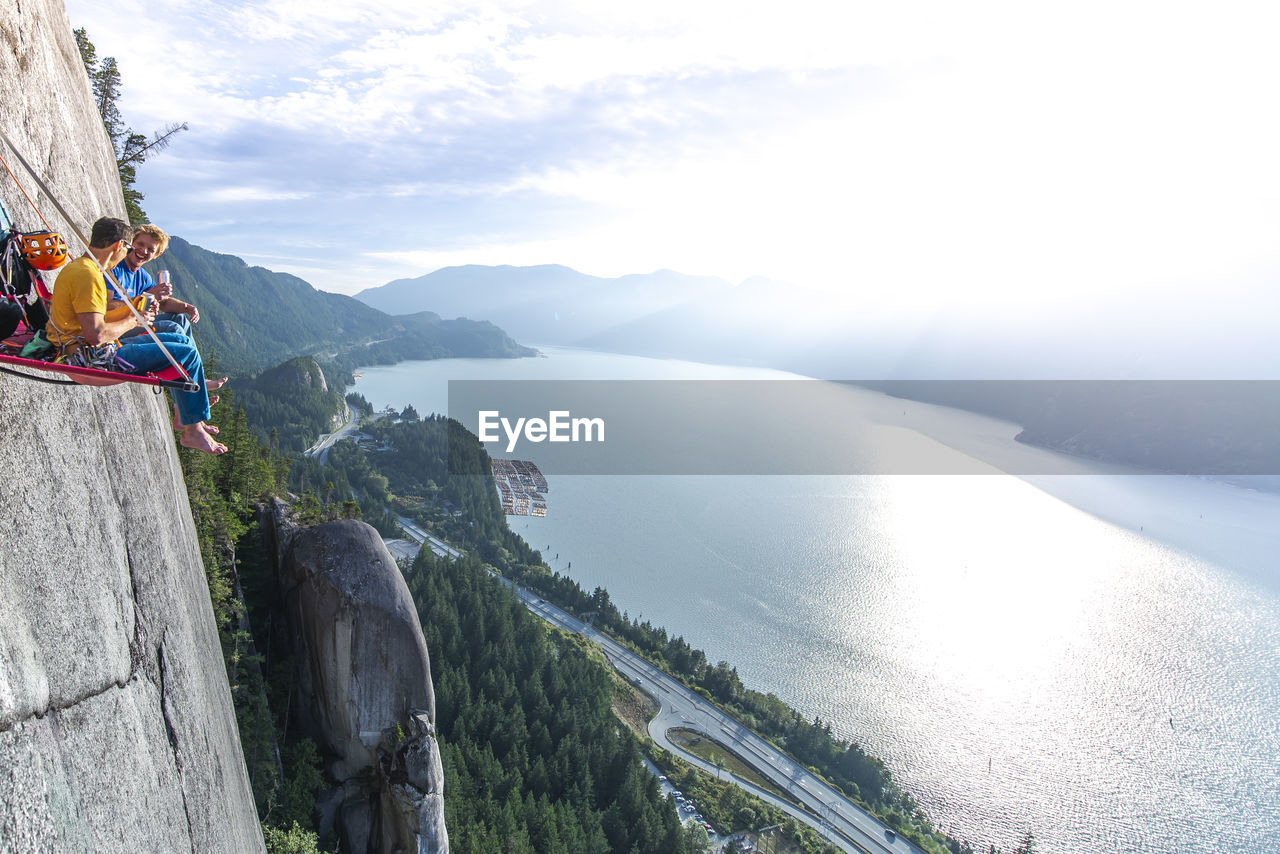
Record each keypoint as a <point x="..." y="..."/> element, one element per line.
<point x="21" y="189"/>
<point x="142" y="321"/>
<point x="48" y="380"/>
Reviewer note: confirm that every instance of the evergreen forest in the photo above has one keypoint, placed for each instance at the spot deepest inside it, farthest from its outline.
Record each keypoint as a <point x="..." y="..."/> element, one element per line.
<point x="535" y="760"/>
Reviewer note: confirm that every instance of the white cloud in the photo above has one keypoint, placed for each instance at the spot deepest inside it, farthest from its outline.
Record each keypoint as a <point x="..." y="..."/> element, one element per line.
<point x="224" y="195"/>
<point x="985" y="152"/>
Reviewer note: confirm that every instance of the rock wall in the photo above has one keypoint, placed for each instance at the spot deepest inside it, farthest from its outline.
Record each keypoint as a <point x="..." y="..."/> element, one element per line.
<point x="116" y="726"/>
<point x="365" y="689"/>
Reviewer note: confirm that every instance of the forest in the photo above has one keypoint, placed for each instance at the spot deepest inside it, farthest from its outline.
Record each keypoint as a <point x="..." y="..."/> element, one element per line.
<point x="535" y="760"/>
<point x="427" y="466"/>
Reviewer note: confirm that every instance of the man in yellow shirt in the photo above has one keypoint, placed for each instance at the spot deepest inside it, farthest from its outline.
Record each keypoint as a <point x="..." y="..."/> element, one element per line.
<point x="77" y="318"/>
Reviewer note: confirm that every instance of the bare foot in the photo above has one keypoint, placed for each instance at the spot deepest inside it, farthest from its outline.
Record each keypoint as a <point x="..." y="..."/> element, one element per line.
<point x="194" y="436"/>
<point x="214" y="385"/>
<point x="213" y="398"/>
<point x="209" y="428"/>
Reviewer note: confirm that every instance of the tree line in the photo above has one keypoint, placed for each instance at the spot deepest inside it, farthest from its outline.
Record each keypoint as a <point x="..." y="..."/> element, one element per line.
<point x="131" y="148"/>
<point x="534" y="759"/>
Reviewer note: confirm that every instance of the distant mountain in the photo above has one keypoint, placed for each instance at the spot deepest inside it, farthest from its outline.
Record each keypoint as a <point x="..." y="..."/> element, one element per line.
<point x="1207" y="428"/>
<point x="548" y="304"/>
<point x="252" y="318"/>
<point x="761" y="321"/>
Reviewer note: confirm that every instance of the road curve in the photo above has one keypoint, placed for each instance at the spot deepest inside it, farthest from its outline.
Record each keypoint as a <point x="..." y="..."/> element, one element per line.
<point x="835" y="817"/>
<point x="328" y="440"/>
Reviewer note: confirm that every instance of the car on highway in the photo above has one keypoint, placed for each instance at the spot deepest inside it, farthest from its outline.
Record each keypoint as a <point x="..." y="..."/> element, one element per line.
<point x="889" y="834"/>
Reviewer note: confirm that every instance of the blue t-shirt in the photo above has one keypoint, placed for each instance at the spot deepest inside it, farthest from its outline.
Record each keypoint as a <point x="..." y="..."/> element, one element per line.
<point x="134" y="282"/>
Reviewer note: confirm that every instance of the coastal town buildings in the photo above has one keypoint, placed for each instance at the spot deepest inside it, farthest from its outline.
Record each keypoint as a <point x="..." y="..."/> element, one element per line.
<point x="521" y="486"/>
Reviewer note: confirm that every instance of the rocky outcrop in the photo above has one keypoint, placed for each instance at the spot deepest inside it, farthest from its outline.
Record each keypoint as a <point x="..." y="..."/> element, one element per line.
<point x="364" y="685"/>
<point x="301" y="371"/>
<point x="116" y="726"/>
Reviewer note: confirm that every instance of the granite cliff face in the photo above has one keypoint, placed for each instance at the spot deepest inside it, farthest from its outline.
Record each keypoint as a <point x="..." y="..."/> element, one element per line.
<point x="365" y="689"/>
<point x="116" y="726"/>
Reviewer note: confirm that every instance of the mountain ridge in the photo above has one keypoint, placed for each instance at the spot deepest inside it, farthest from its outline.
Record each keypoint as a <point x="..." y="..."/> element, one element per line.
<point x="304" y="320"/>
<point x="547" y="303"/>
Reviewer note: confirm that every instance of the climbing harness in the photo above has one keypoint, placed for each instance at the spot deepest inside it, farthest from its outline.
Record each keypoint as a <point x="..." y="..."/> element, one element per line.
<point x="20" y="284"/>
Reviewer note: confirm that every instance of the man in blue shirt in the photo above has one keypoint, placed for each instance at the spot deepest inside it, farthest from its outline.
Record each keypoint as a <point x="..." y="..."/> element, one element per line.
<point x="149" y="243"/>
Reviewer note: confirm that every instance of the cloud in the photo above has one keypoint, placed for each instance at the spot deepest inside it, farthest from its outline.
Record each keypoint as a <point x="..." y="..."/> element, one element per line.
<point x="225" y="195"/>
<point x="986" y="154"/>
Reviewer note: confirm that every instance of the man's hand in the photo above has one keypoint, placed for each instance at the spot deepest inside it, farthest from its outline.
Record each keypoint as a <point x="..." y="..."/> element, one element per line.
<point x="173" y="305"/>
<point x="95" y="330"/>
<point x="161" y="291"/>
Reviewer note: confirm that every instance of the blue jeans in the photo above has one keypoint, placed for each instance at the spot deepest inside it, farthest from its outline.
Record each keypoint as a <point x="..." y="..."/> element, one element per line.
<point x="144" y="354"/>
<point x="166" y="321"/>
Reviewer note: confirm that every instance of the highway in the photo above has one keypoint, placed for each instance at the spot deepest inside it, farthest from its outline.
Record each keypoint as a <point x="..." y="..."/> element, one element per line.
<point x="328" y="440"/>
<point x="834" y="816"/>
<point x="439" y="546"/>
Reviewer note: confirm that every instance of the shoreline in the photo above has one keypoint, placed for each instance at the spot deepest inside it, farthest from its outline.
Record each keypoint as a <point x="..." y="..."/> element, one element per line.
<point x="1141" y="495"/>
<point x="1087" y="484"/>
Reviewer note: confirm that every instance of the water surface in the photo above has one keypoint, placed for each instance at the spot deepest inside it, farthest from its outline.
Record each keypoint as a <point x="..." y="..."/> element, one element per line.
<point x="1092" y="657"/>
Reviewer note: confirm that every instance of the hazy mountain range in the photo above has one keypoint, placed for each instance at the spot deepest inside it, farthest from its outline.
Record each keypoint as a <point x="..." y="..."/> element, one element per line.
<point x="665" y="313"/>
<point x="252" y="318"/>
<point x="852" y="335"/>
<point x="1197" y="427"/>
<point x="548" y="304"/>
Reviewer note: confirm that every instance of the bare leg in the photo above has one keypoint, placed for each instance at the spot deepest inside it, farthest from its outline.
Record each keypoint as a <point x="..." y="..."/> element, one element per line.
<point x="208" y="428"/>
<point x="194" y="436"/>
<point x="214" y="385"/>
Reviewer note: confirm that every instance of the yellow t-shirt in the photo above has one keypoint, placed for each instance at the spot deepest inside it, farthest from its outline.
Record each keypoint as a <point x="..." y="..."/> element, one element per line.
<point x="79" y="289"/>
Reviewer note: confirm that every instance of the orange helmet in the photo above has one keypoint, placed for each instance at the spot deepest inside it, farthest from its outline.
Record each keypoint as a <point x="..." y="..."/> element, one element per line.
<point x="44" y="250"/>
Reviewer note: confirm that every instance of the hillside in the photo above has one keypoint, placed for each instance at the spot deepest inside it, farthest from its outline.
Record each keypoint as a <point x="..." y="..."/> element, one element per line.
<point x="252" y="318"/>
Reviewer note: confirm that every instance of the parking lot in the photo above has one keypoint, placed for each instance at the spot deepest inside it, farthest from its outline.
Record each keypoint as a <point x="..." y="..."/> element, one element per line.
<point x="686" y="809"/>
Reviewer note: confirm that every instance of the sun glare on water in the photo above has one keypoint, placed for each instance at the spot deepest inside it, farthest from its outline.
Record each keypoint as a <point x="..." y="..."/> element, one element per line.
<point x="996" y="591"/>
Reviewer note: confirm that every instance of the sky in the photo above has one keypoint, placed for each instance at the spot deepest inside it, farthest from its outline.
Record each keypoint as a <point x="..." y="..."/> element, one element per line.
<point x="994" y="156"/>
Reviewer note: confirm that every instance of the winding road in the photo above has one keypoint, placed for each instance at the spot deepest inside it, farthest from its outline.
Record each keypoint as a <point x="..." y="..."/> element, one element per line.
<point x="328" y="440"/>
<point x="835" y="817"/>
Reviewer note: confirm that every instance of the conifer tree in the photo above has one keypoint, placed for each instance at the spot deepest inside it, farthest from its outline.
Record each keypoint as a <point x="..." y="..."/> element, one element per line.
<point x="131" y="148"/>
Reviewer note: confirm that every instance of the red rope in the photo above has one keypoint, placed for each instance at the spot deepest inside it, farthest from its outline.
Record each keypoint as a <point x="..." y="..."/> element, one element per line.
<point x="24" y="193"/>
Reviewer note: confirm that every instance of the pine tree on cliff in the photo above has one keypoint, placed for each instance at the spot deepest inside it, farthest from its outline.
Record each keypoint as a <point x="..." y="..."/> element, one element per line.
<point x="131" y="148"/>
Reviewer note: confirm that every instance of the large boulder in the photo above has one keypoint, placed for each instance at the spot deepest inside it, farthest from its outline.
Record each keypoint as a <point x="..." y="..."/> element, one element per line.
<point x="364" y="683"/>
